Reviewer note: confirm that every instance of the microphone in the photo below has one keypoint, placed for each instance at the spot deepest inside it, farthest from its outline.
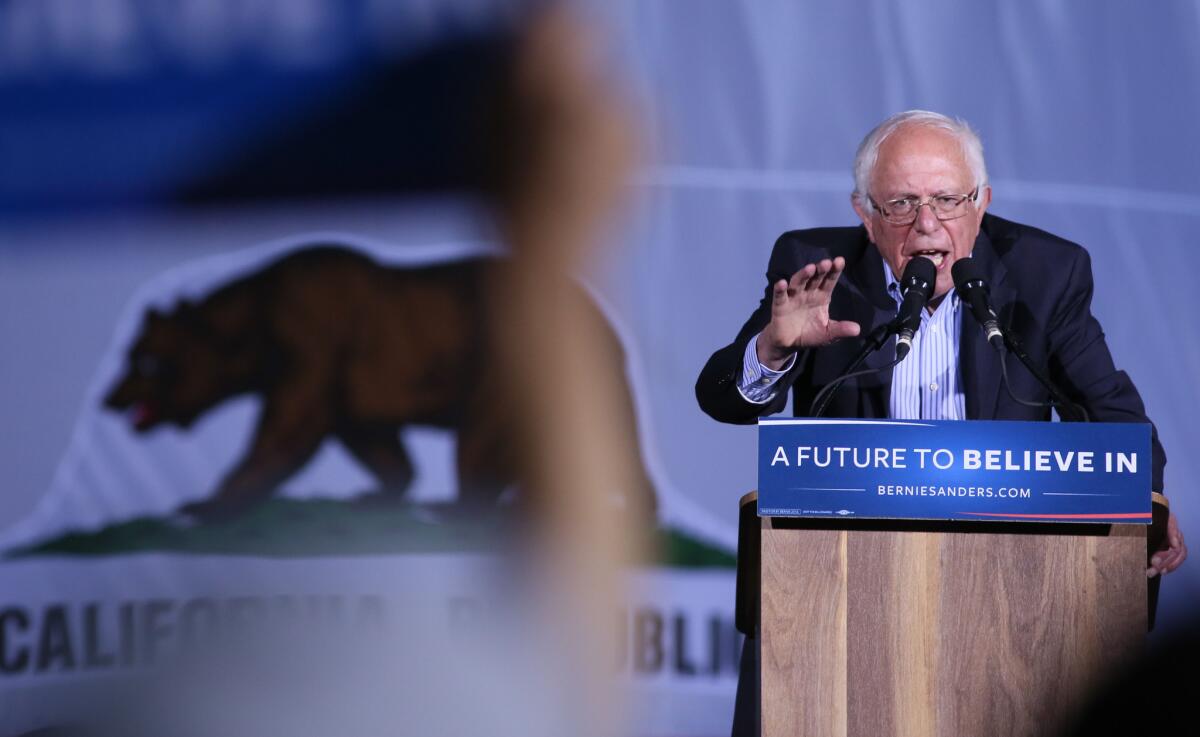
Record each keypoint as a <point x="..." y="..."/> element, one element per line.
<point x="973" y="289"/>
<point x="917" y="287"/>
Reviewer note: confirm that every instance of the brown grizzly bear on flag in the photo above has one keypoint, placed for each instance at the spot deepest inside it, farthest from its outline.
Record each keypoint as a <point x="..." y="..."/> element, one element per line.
<point x="339" y="346"/>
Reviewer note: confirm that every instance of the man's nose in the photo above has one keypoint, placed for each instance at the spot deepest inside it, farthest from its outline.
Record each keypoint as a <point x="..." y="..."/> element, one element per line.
<point x="926" y="221"/>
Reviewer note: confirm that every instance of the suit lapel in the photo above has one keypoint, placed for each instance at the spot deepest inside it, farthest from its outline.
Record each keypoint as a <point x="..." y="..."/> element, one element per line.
<point x="876" y="308"/>
<point x="979" y="368"/>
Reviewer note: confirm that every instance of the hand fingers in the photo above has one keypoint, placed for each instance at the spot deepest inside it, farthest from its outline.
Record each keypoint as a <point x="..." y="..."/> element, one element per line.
<point x="800" y="278"/>
<point x="822" y="275"/>
<point x="807" y="277"/>
<point x="835" y="272"/>
<point x="1162" y="559"/>
<point x="1174" y="534"/>
<point x="1173" y="554"/>
<point x="819" y="275"/>
<point x="1174" y="558"/>
<point x="839" y="329"/>
<point x="1166" y="561"/>
<point x="779" y="292"/>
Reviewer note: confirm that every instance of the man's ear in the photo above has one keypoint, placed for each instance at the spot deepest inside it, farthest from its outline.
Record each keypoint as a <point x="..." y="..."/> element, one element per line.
<point x="862" y="207"/>
<point x="985" y="199"/>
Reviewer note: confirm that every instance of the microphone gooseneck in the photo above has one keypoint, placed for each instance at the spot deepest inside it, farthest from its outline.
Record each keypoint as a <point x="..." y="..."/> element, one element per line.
<point x="873" y="342"/>
<point x="972" y="288"/>
<point x="916" y="287"/>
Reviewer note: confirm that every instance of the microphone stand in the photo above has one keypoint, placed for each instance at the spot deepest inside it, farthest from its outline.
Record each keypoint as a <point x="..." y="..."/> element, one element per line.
<point x="1069" y="411"/>
<point x="875" y="340"/>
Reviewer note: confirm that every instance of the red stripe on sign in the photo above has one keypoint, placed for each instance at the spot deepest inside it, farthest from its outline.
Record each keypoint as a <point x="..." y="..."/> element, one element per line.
<point x="1123" y="515"/>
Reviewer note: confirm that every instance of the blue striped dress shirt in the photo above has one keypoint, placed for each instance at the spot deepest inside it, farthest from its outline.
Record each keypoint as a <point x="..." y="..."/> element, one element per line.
<point x="925" y="385"/>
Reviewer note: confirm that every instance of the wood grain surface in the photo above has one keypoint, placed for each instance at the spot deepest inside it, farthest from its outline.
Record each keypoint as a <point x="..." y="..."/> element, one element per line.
<point x="943" y="629"/>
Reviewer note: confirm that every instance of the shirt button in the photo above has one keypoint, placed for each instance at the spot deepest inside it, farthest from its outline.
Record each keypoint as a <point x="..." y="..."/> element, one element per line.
<point x="764" y="381"/>
<point x="933" y="387"/>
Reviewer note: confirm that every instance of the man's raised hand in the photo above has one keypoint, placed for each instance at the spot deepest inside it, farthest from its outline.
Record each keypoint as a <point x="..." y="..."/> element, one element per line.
<point x="800" y="314"/>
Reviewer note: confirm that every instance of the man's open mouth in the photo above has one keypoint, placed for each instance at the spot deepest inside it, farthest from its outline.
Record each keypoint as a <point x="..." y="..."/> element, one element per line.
<point x="937" y="257"/>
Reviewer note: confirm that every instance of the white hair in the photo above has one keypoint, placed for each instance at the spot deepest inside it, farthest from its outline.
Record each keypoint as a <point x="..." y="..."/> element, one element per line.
<point x="868" y="150"/>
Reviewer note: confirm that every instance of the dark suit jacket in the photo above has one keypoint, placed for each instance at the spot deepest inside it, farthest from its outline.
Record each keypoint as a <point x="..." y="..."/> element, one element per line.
<point x="1041" y="287"/>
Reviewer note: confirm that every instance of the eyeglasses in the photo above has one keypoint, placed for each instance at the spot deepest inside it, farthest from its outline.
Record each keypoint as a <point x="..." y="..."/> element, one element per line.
<point x="945" y="207"/>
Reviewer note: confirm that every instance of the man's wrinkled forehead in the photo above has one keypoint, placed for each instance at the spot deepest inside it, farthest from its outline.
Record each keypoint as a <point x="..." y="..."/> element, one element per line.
<point x="916" y="151"/>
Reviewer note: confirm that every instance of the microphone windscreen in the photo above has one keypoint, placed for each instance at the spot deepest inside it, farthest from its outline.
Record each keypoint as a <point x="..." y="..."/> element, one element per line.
<point x="966" y="270"/>
<point x="920" y="274"/>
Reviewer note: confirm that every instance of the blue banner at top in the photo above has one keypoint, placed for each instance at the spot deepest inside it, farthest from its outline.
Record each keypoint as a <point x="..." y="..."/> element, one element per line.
<point x="932" y="469"/>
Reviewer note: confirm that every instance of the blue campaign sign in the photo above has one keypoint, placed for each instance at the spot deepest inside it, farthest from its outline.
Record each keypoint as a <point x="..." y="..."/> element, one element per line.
<point x="933" y="469"/>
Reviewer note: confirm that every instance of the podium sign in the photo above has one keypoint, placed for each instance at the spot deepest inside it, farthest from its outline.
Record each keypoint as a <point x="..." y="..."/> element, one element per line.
<point x="934" y="469"/>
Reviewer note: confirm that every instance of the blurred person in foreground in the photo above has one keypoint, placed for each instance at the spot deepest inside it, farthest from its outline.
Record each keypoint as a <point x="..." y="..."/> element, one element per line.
<point x="540" y="664"/>
<point x="921" y="191"/>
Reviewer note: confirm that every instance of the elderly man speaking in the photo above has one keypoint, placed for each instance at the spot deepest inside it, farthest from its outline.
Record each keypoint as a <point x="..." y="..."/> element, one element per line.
<point x="921" y="190"/>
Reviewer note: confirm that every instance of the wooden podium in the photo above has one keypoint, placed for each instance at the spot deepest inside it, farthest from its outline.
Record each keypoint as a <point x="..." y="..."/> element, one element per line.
<point x="877" y="628"/>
